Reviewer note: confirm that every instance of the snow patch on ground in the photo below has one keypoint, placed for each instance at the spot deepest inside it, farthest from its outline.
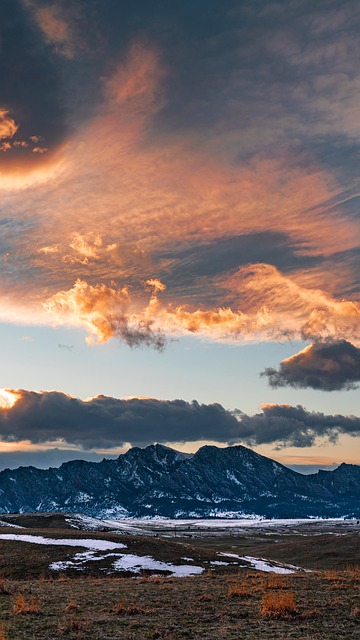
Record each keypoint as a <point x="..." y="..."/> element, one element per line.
<point x="136" y="563"/>
<point x="89" y="523"/>
<point x="79" y="560"/>
<point x="263" y="565"/>
<point x="12" y="526"/>
<point x="127" y="562"/>
<point x="228" y="522"/>
<point x="96" y="545"/>
<point x="122" y="562"/>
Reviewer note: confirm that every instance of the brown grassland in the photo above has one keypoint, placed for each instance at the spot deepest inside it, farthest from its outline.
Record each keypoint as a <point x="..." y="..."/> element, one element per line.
<point x="221" y="604"/>
<point x="244" y="605"/>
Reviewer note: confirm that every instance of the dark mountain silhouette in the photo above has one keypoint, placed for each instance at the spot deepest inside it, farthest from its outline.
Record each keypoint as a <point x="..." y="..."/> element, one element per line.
<point x="157" y="480"/>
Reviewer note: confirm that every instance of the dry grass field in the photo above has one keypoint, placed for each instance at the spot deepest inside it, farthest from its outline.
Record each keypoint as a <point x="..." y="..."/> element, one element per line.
<point x="323" y="550"/>
<point x="225" y="602"/>
<point x="247" y="605"/>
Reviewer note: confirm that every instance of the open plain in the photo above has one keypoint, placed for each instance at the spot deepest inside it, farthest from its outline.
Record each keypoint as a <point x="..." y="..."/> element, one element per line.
<point x="60" y="581"/>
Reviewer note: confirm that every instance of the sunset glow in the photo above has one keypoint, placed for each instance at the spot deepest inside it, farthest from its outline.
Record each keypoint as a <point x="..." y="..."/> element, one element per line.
<point x="180" y="219"/>
<point x="7" y="399"/>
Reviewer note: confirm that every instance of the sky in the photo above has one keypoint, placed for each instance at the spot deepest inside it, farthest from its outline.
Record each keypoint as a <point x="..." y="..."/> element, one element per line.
<point x="179" y="228"/>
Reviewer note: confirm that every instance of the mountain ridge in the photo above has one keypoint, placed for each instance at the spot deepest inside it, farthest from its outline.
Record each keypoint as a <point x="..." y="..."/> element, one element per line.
<point x="160" y="481"/>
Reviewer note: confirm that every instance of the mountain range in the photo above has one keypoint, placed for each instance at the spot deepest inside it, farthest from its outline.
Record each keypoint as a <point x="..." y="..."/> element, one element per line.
<point x="159" y="481"/>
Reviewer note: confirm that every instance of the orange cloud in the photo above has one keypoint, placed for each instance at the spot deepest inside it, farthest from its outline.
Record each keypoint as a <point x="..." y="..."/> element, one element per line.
<point x="301" y="312"/>
<point x="281" y="310"/>
<point x="86" y="246"/>
<point x="5" y="146"/>
<point x="7" y="399"/>
<point x="8" y="126"/>
<point x="115" y="197"/>
<point x="156" y="285"/>
<point x="105" y="312"/>
<point x="48" y="250"/>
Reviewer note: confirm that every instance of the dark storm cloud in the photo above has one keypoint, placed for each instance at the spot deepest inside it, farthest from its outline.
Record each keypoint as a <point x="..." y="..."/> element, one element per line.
<point x="328" y="366"/>
<point x="289" y="426"/>
<point x="105" y="422"/>
<point x="109" y="422"/>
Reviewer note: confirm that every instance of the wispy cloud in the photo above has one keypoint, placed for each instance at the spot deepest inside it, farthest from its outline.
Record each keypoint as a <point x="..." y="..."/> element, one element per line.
<point x="56" y="25"/>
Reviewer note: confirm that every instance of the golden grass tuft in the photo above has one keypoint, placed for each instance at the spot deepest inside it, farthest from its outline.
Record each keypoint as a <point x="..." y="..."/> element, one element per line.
<point x="23" y="606"/>
<point x="331" y="575"/>
<point x="352" y="572"/>
<point x="3" y="635"/>
<point x="238" y="590"/>
<point x="63" y="577"/>
<point x="337" y="579"/>
<point x="275" y="581"/>
<point x="209" y="574"/>
<point x="71" y="607"/>
<point x="46" y="577"/>
<point x="277" y="604"/>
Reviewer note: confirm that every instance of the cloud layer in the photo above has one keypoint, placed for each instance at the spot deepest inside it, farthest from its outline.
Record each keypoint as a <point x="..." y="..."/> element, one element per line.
<point x="288" y="426"/>
<point x="105" y="422"/>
